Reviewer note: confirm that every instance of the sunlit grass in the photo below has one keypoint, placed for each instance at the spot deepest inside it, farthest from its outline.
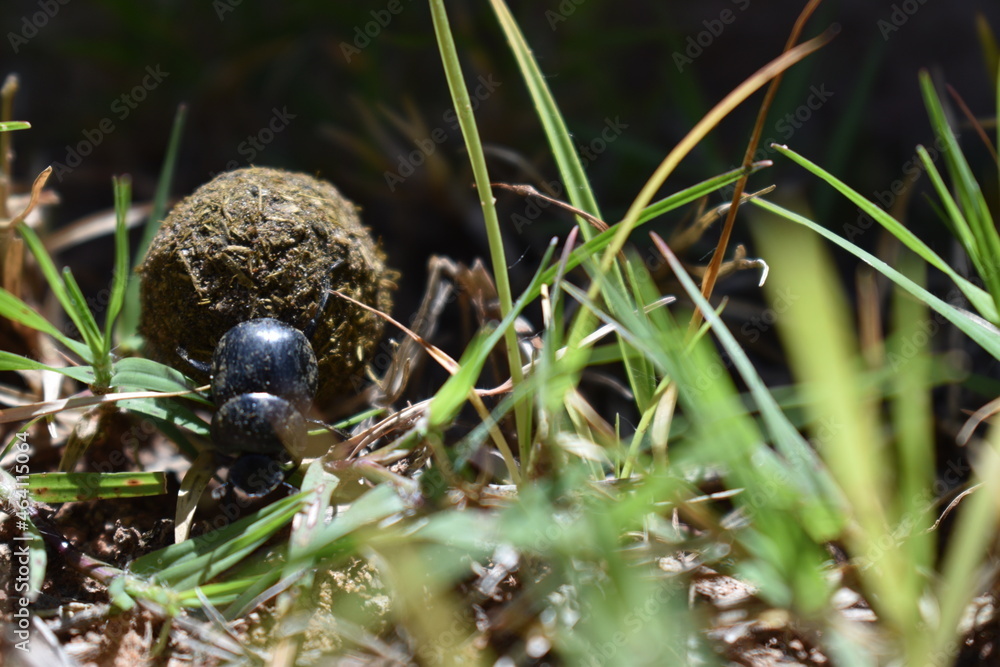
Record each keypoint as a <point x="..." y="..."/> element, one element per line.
<point x="589" y="538"/>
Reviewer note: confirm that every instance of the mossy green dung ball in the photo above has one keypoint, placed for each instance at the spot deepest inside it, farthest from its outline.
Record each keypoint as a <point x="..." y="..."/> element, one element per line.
<point x="262" y="242"/>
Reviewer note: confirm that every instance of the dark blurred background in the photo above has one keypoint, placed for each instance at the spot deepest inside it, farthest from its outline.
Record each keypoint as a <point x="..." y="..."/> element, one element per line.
<point x="347" y="91"/>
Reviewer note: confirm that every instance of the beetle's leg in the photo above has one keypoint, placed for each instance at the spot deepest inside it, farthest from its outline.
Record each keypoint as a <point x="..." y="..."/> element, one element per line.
<point x="200" y="366"/>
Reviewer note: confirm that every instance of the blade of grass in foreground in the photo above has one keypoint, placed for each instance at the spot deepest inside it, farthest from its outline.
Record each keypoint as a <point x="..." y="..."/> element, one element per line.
<point x="821" y="494"/>
<point x="965" y="564"/>
<point x="849" y="437"/>
<point x="912" y="407"/>
<point x="198" y="560"/>
<point x="785" y="520"/>
<point x="59" y="487"/>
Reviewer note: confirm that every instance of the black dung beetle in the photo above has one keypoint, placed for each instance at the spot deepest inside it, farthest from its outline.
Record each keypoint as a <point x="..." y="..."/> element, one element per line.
<point x="264" y="377"/>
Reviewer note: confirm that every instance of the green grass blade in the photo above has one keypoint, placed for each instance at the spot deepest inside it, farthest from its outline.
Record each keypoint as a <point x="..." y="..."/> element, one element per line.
<point x="452" y="395"/>
<point x="912" y="416"/>
<point x="570" y="167"/>
<point x="195" y="561"/>
<point x="11" y="125"/>
<point x="779" y="504"/>
<point x="951" y="213"/>
<point x="58" y="287"/>
<point x="63" y="487"/>
<point x="470" y="133"/>
<point x="247" y="600"/>
<point x="17" y="310"/>
<point x="655" y="210"/>
<point x="963" y="567"/>
<point x="320" y="484"/>
<point x="120" y="280"/>
<point x="128" y="323"/>
<point x="90" y="332"/>
<point x="991" y="52"/>
<point x="139" y="374"/>
<point x="688" y="195"/>
<point x="970" y="196"/>
<point x="456" y="388"/>
<point x="818" y="489"/>
<point x="374" y="506"/>
<point x="642" y="377"/>
<point x="582" y="326"/>
<point x="573" y="175"/>
<point x="986" y="335"/>
<point x="15" y="362"/>
<point x="969" y="193"/>
<point x="849" y="433"/>
<point x="980" y="299"/>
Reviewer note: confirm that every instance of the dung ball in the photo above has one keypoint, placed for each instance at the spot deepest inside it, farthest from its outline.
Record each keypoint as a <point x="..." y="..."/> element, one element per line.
<point x="257" y="243"/>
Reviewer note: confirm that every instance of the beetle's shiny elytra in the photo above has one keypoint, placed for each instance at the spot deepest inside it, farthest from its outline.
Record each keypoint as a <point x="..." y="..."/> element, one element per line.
<point x="264" y="376"/>
<point x="265" y="355"/>
<point x="258" y="423"/>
